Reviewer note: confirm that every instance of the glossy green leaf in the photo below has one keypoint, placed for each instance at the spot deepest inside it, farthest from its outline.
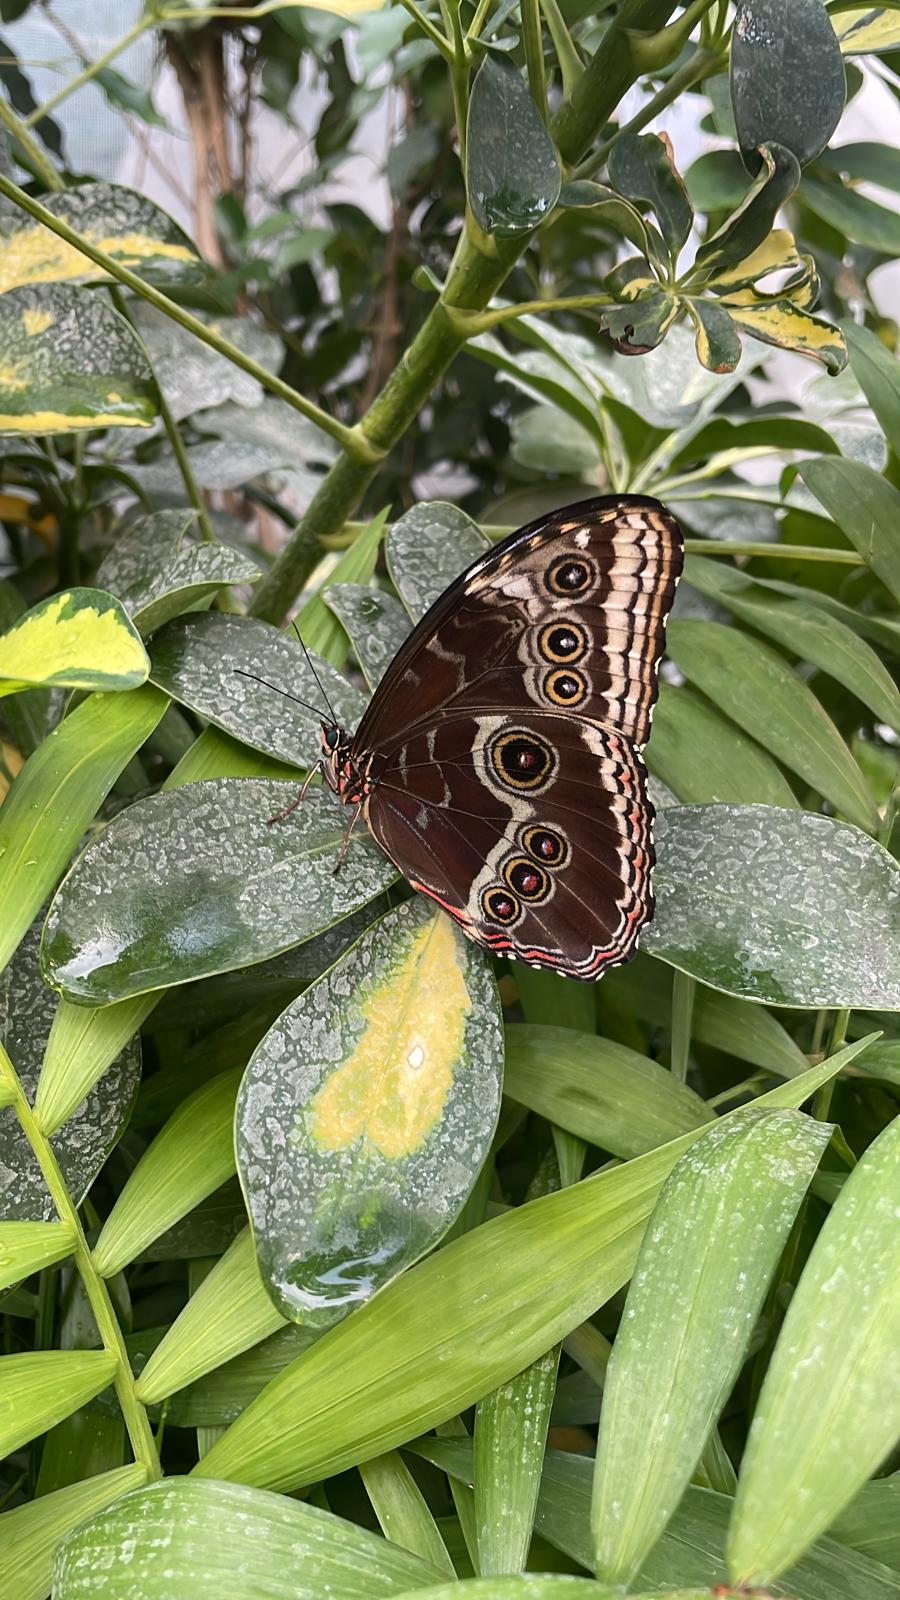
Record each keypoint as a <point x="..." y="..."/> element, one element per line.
<point x="860" y="219"/>
<point x="754" y="685"/>
<point x="30" y="1533"/>
<point x="717" y="1230"/>
<point x="512" y="170"/>
<point x="56" y="795"/>
<point x="225" y="888"/>
<point x="865" y="507"/>
<point x="125" y="225"/>
<point x="751" y="224"/>
<point x="367" y="1111"/>
<point x="80" y="1046"/>
<point x="41" y="1387"/>
<point x="158" y="571"/>
<point x="201" y="661"/>
<point x="375" y="623"/>
<point x="27" y="1007"/>
<point x="785" y="907"/>
<point x="829" y="1410"/>
<point x="458" y="1324"/>
<point x="702" y="757"/>
<point x="641" y="167"/>
<point x="27" y="1247"/>
<point x="427" y="548"/>
<point x="70" y="362"/>
<point x="877" y="371"/>
<point x="616" y="213"/>
<point x="188" y="1160"/>
<point x="804" y="629"/>
<point x="510" y="1438"/>
<point x="80" y="639"/>
<point x="402" y="1510"/>
<point x="641" y="324"/>
<point x="787" y="76"/>
<point x="223" y="1539"/>
<point x="599" y="1089"/>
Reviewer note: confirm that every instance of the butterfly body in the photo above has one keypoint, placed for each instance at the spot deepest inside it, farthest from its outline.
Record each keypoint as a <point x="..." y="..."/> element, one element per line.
<point x="498" y="763"/>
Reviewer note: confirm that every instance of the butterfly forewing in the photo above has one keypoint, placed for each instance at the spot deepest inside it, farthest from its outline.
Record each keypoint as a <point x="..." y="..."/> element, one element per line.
<point x="503" y="742"/>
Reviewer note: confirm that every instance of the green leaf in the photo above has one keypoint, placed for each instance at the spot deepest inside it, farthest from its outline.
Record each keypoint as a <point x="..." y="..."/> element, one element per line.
<point x="130" y="97"/>
<point x="642" y="167"/>
<point x="641" y="324"/>
<point x="189" y="1159"/>
<point x="829" y="1410"/>
<point x="716" y="181"/>
<point x="222" y="1539"/>
<point x="130" y="229"/>
<point x="614" y="212"/>
<point x="40" y="1388"/>
<point x="782" y="323"/>
<point x="599" y="1089"/>
<point x="427" y="548"/>
<point x="319" y="627"/>
<point x="865" y="507"/>
<point x="806" y="630"/>
<point x="70" y="362"/>
<point x="754" y="686"/>
<point x="27" y="1247"/>
<point x="750" y="225"/>
<point x="860" y="219"/>
<point x="56" y="795"/>
<point x="225" y="888"/>
<point x="191" y="374"/>
<point x="784" y="907"/>
<point x="787" y="76"/>
<point x="456" y="1325"/>
<point x="80" y="639"/>
<point x="877" y="371"/>
<point x="717" y="1230"/>
<point x="79" y="1049"/>
<point x="402" y="1510"/>
<point x="718" y="342"/>
<point x="512" y="170"/>
<point x="201" y="661"/>
<point x="702" y="757"/>
<point x="871" y="1522"/>
<point x="864" y="158"/>
<point x="381" y="1089"/>
<point x="158" y="571"/>
<point x="30" y="1534"/>
<point x="375" y="623"/>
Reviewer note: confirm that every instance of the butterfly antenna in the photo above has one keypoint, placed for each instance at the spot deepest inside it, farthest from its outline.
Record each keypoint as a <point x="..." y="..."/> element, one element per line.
<point x="275" y="690"/>
<point x="309" y="661"/>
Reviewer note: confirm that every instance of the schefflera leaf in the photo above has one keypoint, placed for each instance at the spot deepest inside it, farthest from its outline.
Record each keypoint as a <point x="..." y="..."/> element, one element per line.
<point x="366" y="1113"/>
<point x="81" y="639"/>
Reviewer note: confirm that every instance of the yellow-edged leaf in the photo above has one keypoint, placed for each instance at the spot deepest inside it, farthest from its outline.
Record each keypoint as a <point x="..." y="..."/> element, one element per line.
<point x="81" y="639"/>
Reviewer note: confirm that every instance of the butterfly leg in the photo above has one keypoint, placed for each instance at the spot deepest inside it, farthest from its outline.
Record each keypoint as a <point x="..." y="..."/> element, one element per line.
<point x="280" y="815"/>
<point x="346" y="839"/>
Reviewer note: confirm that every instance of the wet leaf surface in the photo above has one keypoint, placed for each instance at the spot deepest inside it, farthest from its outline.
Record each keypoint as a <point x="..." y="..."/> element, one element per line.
<point x="194" y="881"/>
<point x="70" y="362"/>
<point x="787" y="76"/>
<point x="27" y="1008"/>
<point x="191" y="375"/>
<point x="427" y="548"/>
<point x="375" y="623"/>
<point x="367" y="1111"/>
<point x="124" y="224"/>
<point x="158" y="570"/>
<point x="512" y="171"/>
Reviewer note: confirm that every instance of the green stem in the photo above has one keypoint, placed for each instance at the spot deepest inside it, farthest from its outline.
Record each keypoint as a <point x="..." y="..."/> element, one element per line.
<point x="32" y="150"/>
<point x="785" y="552"/>
<point x="134" y="1415"/>
<point x="822" y="1098"/>
<point x="699" y="66"/>
<point x="683" y="990"/>
<point x="471" y="323"/>
<point x="91" y="69"/>
<point x="533" y="40"/>
<point x="428" y="28"/>
<point x="476" y="25"/>
<point x="568" y="60"/>
<point x="348" y="438"/>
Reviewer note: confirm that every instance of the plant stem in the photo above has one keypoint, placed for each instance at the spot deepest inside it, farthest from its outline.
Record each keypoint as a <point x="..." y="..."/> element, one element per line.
<point x="693" y="71"/>
<point x="533" y="41"/>
<point x="428" y="28"/>
<point x="783" y="552"/>
<point x="91" y="69"/>
<point x="471" y="323"/>
<point x="822" y="1098"/>
<point x="348" y="438"/>
<point x="133" y="1413"/>
<point x="569" y="61"/>
<point x="31" y="148"/>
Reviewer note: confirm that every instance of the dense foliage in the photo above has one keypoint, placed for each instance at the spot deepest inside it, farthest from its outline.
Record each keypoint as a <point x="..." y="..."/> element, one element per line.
<point x="239" y="1093"/>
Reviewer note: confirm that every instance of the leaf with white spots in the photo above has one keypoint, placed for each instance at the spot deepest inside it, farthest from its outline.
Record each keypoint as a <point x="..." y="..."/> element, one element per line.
<point x="829" y="1411"/>
<point x="158" y="570"/>
<point x="375" y="623"/>
<point x="427" y="548"/>
<point x="711" y="1247"/>
<point x="367" y="1111"/>
<point x="127" y="226"/>
<point x="70" y="362"/>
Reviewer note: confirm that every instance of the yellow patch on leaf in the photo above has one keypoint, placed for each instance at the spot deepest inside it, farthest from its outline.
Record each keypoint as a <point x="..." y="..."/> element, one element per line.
<point x="35" y="322"/>
<point x="776" y="252"/>
<point x="392" y="1090"/>
<point x="61" y="422"/>
<point x="11" y="377"/>
<point x="63" y="640"/>
<point x="35" y="255"/>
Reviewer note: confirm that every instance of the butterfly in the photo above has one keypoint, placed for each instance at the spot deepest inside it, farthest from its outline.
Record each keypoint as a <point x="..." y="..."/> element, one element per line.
<point x="498" y="764"/>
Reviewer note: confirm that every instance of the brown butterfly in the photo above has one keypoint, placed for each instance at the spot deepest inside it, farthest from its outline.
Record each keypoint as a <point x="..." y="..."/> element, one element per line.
<point x="498" y="763"/>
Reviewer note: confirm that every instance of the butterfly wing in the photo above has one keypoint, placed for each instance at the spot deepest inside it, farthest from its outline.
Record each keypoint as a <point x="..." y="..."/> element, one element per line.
<point x="566" y="615"/>
<point x="533" y="832"/>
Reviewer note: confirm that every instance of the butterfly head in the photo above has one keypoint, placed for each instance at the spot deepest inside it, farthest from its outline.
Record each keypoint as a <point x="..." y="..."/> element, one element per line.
<point x="340" y="770"/>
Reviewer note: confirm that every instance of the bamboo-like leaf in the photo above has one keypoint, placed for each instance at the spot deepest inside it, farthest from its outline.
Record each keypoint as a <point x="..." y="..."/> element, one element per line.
<point x="206" y="905"/>
<point x="865" y="507"/>
<point x="223" y="1539"/>
<point x="712" y="1244"/>
<point x="871" y="1522"/>
<point x="457" y="1324"/>
<point x="80" y="639"/>
<point x="402" y="1510"/>
<point x="703" y="758"/>
<point x="877" y="371"/>
<point x="754" y="686"/>
<point x="512" y="170"/>
<point x="70" y="362"/>
<point x="81" y="1045"/>
<point x="27" y="1247"/>
<point x="158" y="571"/>
<point x="41" y="1387"/>
<point x="319" y="624"/>
<point x="129" y="228"/>
<point x="599" y="1089"/>
<point x="56" y="795"/>
<point x="746" y="901"/>
<point x="510" y="1437"/>
<point x="367" y="1111"/>
<point x="189" y="1159"/>
<point x="30" y="1534"/>
<point x="829" y="1410"/>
